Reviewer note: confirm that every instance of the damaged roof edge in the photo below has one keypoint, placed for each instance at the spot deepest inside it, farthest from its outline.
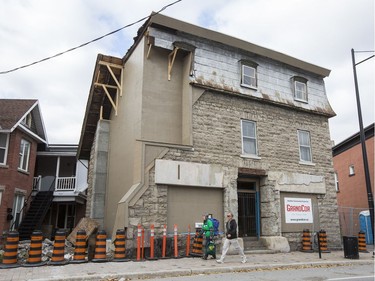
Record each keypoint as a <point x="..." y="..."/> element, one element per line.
<point x="99" y="58"/>
<point x="161" y="20"/>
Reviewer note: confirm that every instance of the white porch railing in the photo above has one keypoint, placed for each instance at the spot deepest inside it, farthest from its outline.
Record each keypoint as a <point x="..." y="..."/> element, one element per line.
<point x="37" y="183"/>
<point x="66" y="184"/>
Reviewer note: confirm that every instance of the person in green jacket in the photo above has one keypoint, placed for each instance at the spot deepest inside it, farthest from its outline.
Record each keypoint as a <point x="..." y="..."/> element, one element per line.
<point x="208" y="229"/>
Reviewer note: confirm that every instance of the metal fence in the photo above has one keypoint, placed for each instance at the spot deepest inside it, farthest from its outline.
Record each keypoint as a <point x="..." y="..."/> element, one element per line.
<point x="349" y="220"/>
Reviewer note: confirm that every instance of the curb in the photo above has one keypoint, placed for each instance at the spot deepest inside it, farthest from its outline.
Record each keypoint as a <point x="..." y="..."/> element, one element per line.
<point x="209" y="270"/>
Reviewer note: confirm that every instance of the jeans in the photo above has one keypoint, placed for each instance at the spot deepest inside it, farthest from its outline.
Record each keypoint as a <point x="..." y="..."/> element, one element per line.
<point x="236" y="245"/>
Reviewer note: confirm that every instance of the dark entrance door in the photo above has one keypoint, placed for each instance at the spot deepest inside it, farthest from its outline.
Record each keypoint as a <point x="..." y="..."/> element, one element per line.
<point x="248" y="222"/>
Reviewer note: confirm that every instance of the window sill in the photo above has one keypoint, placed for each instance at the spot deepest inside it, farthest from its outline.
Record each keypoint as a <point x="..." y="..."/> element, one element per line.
<point x="23" y="171"/>
<point x="3" y="166"/>
<point x="306" y="163"/>
<point x="299" y="100"/>
<point x="249" y="87"/>
<point x="251" y="156"/>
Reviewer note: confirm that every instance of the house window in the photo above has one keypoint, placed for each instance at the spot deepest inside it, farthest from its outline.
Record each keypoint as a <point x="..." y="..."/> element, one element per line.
<point x="351" y="170"/>
<point x="24" y="155"/>
<point x="304" y="146"/>
<point x="18" y="203"/>
<point x="336" y="182"/>
<point x="1" y="194"/>
<point x="249" y="139"/>
<point x="3" y="148"/>
<point x="249" y="74"/>
<point x="27" y="120"/>
<point x="300" y="88"/>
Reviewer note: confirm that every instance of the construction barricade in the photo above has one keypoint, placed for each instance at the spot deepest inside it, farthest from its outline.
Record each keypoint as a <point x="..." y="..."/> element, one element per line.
<point x="152" y="244"/>
<point x="10" y="251"/>
<point x="58" y="249"/>
<point x="362" y="242"/>
<point x="100" y="254"/>
<point x="35" y="251"/>
<point x="306" y="241"/>
<point x="323" y="241"/>
<point x="197" y="244"/>
<point x="120" y="248"/>
<point x="80" y="247"/>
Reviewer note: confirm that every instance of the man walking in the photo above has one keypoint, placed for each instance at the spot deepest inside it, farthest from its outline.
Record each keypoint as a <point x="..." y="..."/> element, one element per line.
<point x="231" y="239"/>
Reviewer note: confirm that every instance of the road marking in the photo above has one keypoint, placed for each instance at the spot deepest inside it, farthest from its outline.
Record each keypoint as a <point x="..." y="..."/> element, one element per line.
<point x="350" y="278"/>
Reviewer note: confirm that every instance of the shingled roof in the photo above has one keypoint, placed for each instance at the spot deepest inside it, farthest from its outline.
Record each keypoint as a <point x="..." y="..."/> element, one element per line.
<point x="13" y="111"/>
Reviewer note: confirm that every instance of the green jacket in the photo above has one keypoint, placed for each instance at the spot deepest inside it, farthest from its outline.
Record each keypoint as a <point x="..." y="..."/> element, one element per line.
<point x="207" y="227"/>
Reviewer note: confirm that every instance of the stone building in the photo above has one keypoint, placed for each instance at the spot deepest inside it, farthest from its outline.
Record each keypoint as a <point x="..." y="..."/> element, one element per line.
<point x="192" y="121"/>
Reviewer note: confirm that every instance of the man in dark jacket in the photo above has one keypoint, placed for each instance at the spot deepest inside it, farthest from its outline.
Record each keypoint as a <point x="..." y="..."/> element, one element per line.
<point x="231" y="239"/>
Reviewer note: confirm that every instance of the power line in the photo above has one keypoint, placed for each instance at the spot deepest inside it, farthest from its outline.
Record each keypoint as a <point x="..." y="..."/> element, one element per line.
<point x="89" y="42"/>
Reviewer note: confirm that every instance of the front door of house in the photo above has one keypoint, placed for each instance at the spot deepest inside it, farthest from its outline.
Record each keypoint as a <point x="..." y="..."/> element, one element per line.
<point x="248" y="209"/>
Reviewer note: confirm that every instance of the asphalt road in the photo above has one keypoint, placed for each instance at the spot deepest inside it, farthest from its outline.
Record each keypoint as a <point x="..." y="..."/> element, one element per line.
<point x="324" y="273"/>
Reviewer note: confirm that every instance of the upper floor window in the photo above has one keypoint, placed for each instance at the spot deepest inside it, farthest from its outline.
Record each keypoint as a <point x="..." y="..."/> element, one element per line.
<point x="351" y="170"/>
<point x="337" y="182"/>
<point x="27" y="120"/>
<point x="249" y="74"/>
<point x="3" y="148"/>
<point x="304" y="146"/>
<point x="300" y="88"/>
<point x="249" y="138"/>
<point x="24" y="155"/>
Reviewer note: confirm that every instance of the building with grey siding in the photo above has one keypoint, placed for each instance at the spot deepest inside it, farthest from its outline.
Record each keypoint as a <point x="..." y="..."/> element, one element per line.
<point x="192" y="121"/>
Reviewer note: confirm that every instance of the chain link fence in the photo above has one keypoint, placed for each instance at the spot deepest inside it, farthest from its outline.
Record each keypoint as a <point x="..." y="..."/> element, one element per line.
<point x="349" y="220"/>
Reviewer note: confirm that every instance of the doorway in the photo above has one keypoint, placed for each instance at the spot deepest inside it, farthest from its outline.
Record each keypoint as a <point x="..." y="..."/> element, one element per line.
<point x="248" y="209"/>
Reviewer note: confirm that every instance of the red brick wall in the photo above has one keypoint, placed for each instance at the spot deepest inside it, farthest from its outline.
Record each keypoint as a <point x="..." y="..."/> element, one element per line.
<point x="353" y="188"/>
<point x="11" y="178"/>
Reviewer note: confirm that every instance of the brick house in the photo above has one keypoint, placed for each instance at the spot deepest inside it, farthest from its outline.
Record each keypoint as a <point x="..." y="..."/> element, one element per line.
<point x="192" y="121"/>
<point x="21" y="131"/>
<point x="350" y="178"/>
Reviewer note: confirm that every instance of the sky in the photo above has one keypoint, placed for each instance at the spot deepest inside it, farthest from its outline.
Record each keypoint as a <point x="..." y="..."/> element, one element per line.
<point x="321" y="32"/>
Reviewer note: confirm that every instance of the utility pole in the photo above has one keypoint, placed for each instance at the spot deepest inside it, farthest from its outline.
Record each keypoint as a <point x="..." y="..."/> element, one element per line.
<point x="363" y="143"/>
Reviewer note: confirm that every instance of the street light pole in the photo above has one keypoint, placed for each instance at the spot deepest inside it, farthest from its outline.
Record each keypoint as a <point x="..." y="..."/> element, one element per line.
<point x="363" y="143"/>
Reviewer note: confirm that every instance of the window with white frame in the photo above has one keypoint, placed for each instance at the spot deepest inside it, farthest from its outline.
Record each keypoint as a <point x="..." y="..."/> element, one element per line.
<point x="300" y="88"/>
<point x="24" y="155"/>
<point x="249" y="138"/>
<point x="27" y="120"/>
<point x="3" y="148"/>
<point x="18" y="203"/>
<point x="1" y="194"/>
<point x="337" y="182"/>
<point x="249" y="74"/>
<point x="351" y="170"/>
<point x="304" y="146"/>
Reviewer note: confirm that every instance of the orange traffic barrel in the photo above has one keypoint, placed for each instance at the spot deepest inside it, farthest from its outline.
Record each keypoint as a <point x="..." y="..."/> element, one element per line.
<point x="306" y="241"/>
<point x="120" y="246"/>
<point x="35" y="251"/>
<point x="197" y="250"/>
<point x="10" y="251"/>
<point x="100" y="254"/>
<point x="362" y="242"/>
<point x="58" y="249"/>
<point x="323" y="241"/>
<point x="80" y="248"/>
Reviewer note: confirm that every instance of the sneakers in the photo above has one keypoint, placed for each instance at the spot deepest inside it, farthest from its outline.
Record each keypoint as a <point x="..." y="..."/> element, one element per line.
<point x="219" y="261"/>
<point x="244" y="260"/>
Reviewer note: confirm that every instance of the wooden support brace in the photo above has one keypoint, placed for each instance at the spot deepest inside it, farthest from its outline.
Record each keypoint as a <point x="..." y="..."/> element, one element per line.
<point x="171" y="58"/>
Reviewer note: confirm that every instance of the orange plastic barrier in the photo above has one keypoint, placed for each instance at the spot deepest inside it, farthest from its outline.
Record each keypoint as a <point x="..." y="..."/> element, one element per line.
<point x="323" y="241"/>
<point x="362" y="242"/>
<point x="164" y="246"/>
<point x="120" y="246"/>
<point x="100" y="247"/>
<point x="152" y="243"/>
<point x="188" y="242"/>
<point x="58" y="249"/>
<point x="10" y="251"/>
<point x="80" y="249"/>
<point x="306" y="241"/>
<point x="35" y="251"/>
<point x="197" y="245"/>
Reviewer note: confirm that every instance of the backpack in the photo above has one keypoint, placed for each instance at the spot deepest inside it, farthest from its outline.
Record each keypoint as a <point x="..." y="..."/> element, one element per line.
<point x="216" y="224"/>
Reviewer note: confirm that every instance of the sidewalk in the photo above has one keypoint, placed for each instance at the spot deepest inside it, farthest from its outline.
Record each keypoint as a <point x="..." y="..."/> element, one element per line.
<point x="177" y="267"/>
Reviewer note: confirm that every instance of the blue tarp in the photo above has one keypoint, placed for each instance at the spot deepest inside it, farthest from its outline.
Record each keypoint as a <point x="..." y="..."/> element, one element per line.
<point x="365" y="226"/>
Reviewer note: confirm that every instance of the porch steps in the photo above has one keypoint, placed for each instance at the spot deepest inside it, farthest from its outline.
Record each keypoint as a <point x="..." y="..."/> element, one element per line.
<point x="254" y="246"/>
<point x="35" y="215"/>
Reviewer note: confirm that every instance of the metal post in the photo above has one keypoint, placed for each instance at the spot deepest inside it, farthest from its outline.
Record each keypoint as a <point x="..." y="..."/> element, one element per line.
<point x="363" y="143"/>
<point x="320" y="251"/>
